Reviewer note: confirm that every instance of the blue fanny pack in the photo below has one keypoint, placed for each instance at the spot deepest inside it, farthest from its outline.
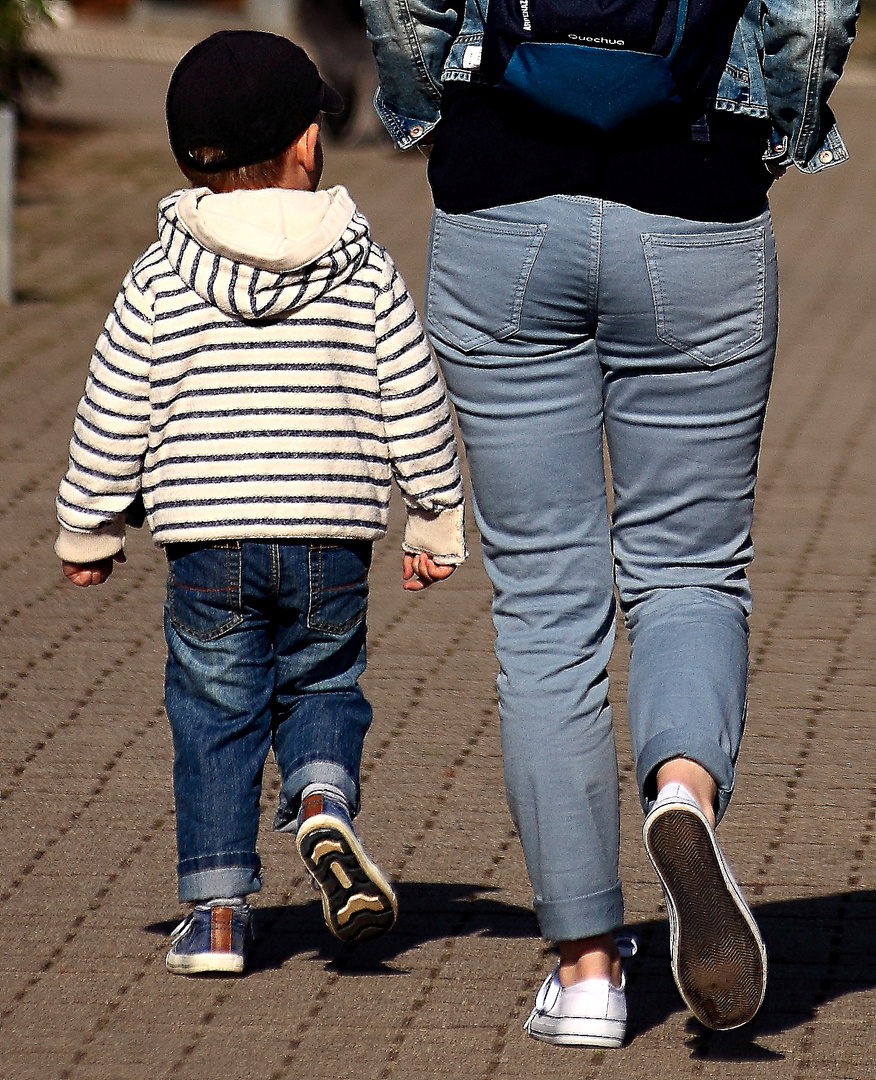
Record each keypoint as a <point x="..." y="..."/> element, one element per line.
<point x="605" y="61"/>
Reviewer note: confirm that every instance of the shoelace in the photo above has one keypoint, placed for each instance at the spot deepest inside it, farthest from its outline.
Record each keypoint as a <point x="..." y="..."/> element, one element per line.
<point x="180" y="929"/>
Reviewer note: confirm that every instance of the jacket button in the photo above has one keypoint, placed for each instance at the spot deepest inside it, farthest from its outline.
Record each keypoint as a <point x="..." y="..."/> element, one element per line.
<point x="825" y="157"/>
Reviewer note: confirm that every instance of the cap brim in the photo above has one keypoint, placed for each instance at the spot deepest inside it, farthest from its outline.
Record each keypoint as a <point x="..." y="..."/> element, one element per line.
<point x="332" y="101"/>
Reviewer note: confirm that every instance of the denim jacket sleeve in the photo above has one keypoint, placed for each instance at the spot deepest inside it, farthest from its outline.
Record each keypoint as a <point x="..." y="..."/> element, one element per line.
<point x="410" y="40"/>
<point x="805" y="45"/>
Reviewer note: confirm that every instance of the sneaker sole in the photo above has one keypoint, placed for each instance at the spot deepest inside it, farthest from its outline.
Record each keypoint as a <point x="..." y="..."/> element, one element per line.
<point x="205" y="964"/>
<point x="718" y="958"/>
<point x="605" y="1041"/>
<point x="358" y="903"/>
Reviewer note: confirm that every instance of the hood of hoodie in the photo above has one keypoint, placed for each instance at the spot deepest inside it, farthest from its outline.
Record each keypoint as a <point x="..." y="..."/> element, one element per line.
<point x="262" y="254"/>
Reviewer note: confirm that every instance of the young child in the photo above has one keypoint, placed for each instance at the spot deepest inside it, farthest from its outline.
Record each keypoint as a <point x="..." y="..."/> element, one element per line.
<point x="262" y="378"/>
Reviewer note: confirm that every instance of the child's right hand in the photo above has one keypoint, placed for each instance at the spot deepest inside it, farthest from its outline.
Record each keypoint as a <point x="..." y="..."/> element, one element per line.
<point x="420" y="571"/>
<point x="94" y="573"/>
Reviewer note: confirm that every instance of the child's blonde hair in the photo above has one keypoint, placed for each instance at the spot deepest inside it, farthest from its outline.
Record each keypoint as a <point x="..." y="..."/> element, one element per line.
<point x="259" y="175"/>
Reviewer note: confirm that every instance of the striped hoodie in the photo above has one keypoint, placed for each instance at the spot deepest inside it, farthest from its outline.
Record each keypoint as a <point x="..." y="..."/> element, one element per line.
<point x="263" y="374"/>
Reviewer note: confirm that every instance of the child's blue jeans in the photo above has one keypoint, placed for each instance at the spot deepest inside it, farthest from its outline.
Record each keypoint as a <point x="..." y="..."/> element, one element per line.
<point x="266" y="643"/>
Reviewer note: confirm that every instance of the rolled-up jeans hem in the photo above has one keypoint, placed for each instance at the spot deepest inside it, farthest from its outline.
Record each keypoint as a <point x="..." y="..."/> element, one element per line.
<point x="222" y="881"/>
<point x="313" y="772"/>
<point x="582" y="916"/>
<point x="677" y="743"/>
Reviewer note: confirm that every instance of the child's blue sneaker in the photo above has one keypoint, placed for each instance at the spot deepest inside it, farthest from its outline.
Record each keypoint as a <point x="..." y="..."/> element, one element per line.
<point x="213" y="938"/>
<point x="358" y="903"/>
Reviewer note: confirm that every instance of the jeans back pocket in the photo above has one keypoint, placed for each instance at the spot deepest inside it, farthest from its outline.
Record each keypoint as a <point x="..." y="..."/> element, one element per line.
<point x="708" y="291"/>
<point x="338" y="586"/>
<point x="204" y="589"/>
<point x="477" y="277"/>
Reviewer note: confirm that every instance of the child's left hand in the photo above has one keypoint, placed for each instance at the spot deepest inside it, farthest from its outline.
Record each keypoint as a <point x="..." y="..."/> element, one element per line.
<point x="421" y="571"/>
<point x="94" y="573"/>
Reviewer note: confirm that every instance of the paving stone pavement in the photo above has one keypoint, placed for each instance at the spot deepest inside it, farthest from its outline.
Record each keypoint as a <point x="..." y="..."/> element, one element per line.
<point x="86" y="821"/>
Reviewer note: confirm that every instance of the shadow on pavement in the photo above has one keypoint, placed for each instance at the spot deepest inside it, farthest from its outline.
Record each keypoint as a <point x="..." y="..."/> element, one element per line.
<point x="820" y="948"/>
<point x="427" y="912"/>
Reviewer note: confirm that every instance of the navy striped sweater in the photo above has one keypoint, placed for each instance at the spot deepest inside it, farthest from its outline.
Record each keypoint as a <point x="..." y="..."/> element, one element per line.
<point x="263" y="374"/>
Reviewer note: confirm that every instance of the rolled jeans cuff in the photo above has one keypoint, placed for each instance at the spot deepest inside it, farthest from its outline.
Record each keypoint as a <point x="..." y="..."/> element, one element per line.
<point x="314" y="772"/>
<point x="676" y="743"/>
<point x="580" y="917"/>
<point x="219" y="881"/>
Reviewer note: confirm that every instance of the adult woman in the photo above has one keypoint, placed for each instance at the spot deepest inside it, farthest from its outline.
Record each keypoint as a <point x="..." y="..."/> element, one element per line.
<point x="582" y="285"/>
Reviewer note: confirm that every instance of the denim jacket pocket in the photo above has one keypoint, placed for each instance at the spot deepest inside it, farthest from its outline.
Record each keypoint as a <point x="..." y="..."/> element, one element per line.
<point x="338" y="586"/>
<point x="204" y="590"/>
<point x="477" y="308"/>
<point x="708" y="291"/>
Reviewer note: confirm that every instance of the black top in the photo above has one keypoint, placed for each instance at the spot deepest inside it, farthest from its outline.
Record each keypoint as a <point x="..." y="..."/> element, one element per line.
<point x="493" y="148"/>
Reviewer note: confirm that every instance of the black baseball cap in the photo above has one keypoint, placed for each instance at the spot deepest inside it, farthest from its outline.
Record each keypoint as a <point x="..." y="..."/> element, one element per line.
<point x="247" y="92"/>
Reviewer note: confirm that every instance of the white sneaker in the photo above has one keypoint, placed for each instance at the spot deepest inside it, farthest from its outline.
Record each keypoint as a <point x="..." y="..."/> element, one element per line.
<point x="588" y="1013"/>
<point x="719" y="962"/>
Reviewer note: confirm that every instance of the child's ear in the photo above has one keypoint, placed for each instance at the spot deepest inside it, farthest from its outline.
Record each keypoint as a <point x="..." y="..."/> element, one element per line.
<point x="308" y="147"/>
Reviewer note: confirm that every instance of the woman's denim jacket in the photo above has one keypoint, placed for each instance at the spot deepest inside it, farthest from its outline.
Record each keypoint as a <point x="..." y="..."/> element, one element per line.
<point x="786" y="58"/>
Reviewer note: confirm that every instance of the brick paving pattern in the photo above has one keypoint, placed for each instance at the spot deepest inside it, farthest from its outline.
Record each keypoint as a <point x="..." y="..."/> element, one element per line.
<point x="87" y="893"/>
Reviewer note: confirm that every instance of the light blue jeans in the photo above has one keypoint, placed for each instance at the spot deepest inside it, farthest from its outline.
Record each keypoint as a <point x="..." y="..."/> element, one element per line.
<point x="558" y="322"/>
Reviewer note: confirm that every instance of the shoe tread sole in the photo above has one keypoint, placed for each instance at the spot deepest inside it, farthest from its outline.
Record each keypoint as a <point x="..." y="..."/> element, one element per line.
<point x="718" y="960"/>
<point x="358" y="903"/>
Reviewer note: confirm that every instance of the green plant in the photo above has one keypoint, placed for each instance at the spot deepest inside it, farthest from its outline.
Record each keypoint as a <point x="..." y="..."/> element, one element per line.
<point x="21" y="69"/>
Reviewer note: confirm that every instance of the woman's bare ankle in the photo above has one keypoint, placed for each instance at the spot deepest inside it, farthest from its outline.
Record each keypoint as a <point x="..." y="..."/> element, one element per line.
<point x="589" y="958"/>
<point x="695" y="778"/>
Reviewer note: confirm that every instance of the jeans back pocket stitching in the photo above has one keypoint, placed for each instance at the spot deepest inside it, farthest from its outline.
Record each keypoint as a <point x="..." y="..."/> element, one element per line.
<point x="534" y="235"/>
<point x="313" y="621"/>
<point x="652" y="242"/>
<point x="234" y="588"/>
